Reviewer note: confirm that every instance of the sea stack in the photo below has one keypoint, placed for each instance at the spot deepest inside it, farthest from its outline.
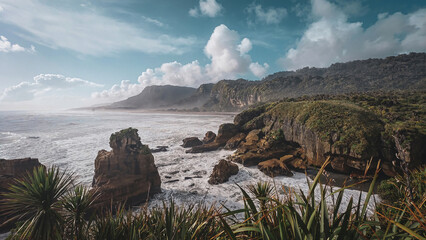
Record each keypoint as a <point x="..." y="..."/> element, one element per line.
<point x="127" y="173"/>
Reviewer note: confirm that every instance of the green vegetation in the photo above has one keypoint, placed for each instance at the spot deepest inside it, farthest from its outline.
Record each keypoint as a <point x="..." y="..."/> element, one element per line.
<point x="51" y="209"/>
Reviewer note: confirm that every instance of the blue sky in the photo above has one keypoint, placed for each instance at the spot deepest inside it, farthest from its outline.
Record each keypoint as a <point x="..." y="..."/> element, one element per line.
<point x="70" y="53"/>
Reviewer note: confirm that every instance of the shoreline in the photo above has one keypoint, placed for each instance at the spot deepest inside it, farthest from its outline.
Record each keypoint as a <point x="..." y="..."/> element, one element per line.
<point x="92" y="110"/>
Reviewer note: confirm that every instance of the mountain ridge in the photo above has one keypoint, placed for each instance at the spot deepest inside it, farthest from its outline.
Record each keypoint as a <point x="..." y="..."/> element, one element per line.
<point x="402" y="72"/>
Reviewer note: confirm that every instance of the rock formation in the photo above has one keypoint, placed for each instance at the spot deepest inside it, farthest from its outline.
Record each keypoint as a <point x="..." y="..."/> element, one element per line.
<point x="9" y="171"/>
<point x="222" y="171"/>
<point x="127" y="173"/>
<point x="209" y="137"/>
<point x="226" y="132"/>
<point x="191" y="142"/>
<point x="274" y="167"/>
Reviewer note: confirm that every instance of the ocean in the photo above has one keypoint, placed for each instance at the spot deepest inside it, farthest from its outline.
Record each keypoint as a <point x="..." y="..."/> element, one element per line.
<point x="71" y="141"/>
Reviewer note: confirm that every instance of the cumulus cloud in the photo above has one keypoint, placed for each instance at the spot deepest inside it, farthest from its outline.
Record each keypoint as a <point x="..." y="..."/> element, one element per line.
<point x="333" y="38"/>
<point x="228" y="56"/>
<point x="268" y="16"/>
<point x="41" y="85"/>
<point x="85" y="31"/>
<point x="209" y="8"/>
<point x="7" y="46"/>
<point x="259" y="70"/>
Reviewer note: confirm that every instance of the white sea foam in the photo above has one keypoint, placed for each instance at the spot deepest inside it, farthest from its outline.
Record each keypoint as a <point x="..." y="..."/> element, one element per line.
<point x="72" y="141"/>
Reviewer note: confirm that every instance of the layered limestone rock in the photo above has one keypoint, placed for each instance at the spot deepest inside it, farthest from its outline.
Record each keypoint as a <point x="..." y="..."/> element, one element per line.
<point x="127" y="173"/>
<point x="222" y="171"/>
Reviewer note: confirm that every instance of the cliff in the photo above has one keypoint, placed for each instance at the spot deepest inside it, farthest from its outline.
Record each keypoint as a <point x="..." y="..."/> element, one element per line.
<point x="354" y="131"/>
<point x="403" y="72"/>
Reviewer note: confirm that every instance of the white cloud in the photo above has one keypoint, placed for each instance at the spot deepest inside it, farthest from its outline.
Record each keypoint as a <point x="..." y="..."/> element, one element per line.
<point x="1" y="9"/>
<point x="229" y="58"/>
<point x="7" y="46"/>
<point x="209" y="8"/>
<point x="245" y="46"/>
<point x="269" y="16"/>
<point x="85" y="31"/>
<point x="41" y="85"/>
<point x="259" y="70"/>
<point x="119" y="91"/>
<point x="333" y="38"/>
<point x="153" y="21"/>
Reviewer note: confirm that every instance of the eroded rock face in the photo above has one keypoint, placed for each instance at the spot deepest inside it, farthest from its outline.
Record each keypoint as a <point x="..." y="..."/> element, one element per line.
<point x="222" y="171"/>
<point x="209" y="137"/>
<point x="9" y="171"/>
<point x="191" y="142"/>
<point x="127" y="173"/>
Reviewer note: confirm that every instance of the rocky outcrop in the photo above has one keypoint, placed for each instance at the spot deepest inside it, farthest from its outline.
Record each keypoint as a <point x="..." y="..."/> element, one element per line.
<point x="191" y="142"/>
<point x="127" y="173"/>
<point x="274" y="167"/>
<point x="209" y="137"/>
<point x="226" y="131"/>
<point x="222" y="171"/>
<point x="235" y="141"/>
<point x="10" y="170"/>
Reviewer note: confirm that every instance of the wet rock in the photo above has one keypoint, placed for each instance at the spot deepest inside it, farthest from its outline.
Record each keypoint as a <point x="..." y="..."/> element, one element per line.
<point x="127" y="173"/>
<point x="226" y="132"/>
<point x="209" y="137"/>
<point x="274" y="167"/>
<point x="205" y="148"/>
<point x="187" y="178"/>
<point x="222" y="171"/>
<point x="160" y="149"/>
<point x="235" y="141"/>
<point x="172" y="181"/>
<point x="191" y="142"/>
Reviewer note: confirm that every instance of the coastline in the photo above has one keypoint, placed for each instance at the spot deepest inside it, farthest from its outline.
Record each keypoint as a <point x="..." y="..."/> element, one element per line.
<point x="152" y="111"/>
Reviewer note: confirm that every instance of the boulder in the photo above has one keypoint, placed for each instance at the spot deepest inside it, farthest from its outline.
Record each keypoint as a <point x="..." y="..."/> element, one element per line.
<point x="226" y="132"/>
<point x="274" y="167"/>
<point x="209" y="137"/>
<point x="127" y="173"/>
<point x="9" y="171"/>
<point x="191" y="142"/>
<point x="222" y="171"/>
<point x="235" y="141"/>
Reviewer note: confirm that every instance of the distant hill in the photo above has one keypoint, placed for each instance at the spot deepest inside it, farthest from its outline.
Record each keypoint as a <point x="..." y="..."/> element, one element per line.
<point x="155" y="97"/>
<point x="403" y="72"/>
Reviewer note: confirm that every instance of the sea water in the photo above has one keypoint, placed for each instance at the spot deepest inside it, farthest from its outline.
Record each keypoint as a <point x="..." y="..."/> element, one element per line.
<point x="71" y="141"/>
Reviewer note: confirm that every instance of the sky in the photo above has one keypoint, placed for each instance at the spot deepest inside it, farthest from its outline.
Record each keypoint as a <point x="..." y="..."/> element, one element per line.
<point x="73" y="53"/>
